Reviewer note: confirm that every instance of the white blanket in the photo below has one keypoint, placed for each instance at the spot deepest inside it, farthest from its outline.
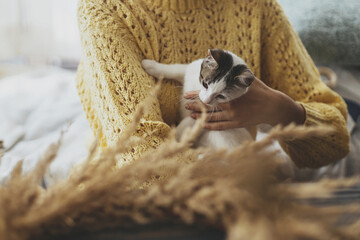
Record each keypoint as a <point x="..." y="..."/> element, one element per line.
<point x="34" y="108"/>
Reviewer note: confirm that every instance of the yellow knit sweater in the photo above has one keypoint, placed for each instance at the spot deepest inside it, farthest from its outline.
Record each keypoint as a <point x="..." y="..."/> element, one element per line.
<point x="117" y="34"/>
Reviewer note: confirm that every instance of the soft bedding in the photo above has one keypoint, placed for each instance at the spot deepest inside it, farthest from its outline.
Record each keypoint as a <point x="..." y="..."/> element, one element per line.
<point x="35" y="108"/>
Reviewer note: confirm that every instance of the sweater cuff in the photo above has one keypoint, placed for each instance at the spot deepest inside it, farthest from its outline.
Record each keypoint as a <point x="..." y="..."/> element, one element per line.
<point x="312" y="115"/>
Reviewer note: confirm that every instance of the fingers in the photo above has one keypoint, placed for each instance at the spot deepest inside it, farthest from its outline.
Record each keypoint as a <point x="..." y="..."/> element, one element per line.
<point x="212" y="116"/>
<point x="224" y="106"/>
<point x="198" y="106"/>
<point x="191" y="94"/>
<point x="216" y="121"/>
<point x="218" y="126"/>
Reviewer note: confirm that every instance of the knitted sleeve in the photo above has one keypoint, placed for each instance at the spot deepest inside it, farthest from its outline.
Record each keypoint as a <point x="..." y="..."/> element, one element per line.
<point x="287" y="67"/>
<point x="111" y="81"/>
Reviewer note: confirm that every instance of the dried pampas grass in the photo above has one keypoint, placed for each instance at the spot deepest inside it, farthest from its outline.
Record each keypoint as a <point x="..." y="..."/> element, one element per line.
<point x="239" y="192"/>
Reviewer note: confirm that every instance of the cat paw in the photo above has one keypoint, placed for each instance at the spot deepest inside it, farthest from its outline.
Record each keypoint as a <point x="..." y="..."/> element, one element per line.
<point x="151" y="67"/>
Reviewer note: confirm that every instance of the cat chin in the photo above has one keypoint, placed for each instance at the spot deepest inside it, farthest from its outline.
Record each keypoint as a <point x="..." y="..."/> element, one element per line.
<point x="202" y="96"/>
<point x="214" y="103"/>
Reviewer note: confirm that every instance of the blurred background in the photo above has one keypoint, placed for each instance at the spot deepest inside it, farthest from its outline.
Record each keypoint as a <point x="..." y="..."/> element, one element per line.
<point x="40" y="51"/>
<point x="329" y="29"/>
<point x="39" y="32"/>
<point x="42" y="32"/>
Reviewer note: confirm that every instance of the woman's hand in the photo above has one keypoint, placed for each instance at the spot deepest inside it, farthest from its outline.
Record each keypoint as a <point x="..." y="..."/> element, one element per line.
<point x="261" y="104"/>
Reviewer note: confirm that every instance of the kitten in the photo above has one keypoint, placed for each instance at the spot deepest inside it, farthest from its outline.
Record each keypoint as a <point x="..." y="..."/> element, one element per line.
<point x="221" y="77"/>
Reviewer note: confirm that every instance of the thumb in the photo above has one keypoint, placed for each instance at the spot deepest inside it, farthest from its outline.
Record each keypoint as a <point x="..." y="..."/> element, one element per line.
<point x="191" y="94"/>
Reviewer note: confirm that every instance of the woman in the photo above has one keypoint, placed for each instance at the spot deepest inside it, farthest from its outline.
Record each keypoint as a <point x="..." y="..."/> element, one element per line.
<point x="118" y="34"/>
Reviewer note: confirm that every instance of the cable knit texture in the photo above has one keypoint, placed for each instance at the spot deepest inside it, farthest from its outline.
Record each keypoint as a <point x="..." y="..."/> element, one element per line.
<point x="117" y="34"/>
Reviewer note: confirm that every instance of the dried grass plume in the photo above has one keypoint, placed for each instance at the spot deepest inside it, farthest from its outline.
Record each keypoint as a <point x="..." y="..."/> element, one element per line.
<point x="238" y="192"/>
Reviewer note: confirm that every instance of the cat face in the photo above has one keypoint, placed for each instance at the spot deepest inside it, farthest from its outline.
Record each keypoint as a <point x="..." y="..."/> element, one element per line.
<point x="224" y="77"/>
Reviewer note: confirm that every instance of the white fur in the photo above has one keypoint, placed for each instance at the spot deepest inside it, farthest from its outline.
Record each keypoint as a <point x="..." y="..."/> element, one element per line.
<point x="189" y="76"/>
<point x="207" y="95"/>
<point x="169" y="71"/>
<point x="237" y="60"/>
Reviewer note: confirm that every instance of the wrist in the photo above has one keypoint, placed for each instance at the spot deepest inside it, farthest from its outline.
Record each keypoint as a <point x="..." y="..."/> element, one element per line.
<point x="287" y="110"/>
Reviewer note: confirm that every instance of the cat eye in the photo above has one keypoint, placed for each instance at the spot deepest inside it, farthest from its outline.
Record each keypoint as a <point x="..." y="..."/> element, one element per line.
<point x="220" y="96"/>
<point x="205" y="85"/>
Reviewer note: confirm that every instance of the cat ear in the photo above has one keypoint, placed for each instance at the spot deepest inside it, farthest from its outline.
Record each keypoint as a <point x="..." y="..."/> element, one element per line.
<point x="246" y="78"/>
<point x="217" y="54"/>
<point x="210" y="61"/>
